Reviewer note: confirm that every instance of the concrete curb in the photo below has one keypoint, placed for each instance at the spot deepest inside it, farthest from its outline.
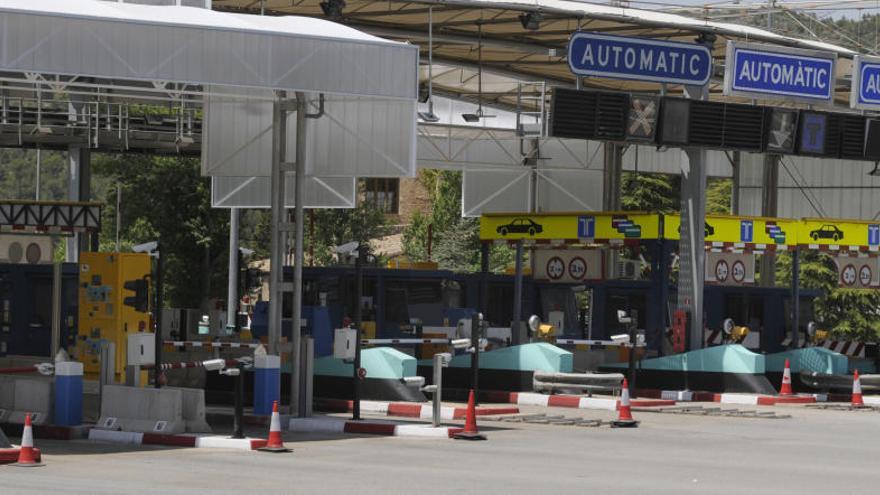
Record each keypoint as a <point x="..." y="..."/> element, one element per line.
<point x="183" y="440"/>
<point x="49" y="432"/>
<point x="736" y="398"/>
<point x="9" y="456"/>
<point x="409" y="410"/>
<point x="571" y="401"/>
<point x="339" y="425"/>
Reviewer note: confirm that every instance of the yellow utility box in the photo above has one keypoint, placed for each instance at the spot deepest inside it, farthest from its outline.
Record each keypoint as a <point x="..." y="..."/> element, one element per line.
<point x="103" y="314"/>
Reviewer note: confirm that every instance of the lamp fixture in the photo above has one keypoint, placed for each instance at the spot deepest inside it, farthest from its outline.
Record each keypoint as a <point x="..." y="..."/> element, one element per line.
<point x="333" y="8"/>
<point x="531" y="20"/>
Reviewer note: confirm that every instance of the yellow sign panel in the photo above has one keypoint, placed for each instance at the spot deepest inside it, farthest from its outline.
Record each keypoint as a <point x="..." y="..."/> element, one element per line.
<point x="739" y="230"/>
<point x="598" y="226"/>
<point x="827" y="232"/>
<point x="729" y="230"/>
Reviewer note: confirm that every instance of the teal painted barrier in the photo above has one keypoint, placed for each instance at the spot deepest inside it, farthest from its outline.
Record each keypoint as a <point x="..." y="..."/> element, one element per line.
<point x="539" y="356"/>
<point x="380" y="362"/>
<point x="732" y="358"/>
<point x="865" y="366"/>
<point x="814" y="359"/>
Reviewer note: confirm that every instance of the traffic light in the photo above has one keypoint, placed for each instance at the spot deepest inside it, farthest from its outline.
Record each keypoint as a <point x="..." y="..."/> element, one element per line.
<point x="141" y="299"/>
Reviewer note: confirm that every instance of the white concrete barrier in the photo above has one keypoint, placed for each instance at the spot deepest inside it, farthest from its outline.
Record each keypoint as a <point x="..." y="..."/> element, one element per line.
<point x="145" y="410"/>
<point x="20" y="396"/>
<point x="194" y="410"/>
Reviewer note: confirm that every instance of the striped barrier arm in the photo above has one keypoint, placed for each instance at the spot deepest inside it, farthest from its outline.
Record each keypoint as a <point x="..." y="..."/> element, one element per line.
<point x="215" y="345"/>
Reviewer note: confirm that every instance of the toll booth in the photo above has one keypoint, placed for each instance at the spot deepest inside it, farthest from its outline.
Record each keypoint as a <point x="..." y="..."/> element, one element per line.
<point x="26" y="307"/>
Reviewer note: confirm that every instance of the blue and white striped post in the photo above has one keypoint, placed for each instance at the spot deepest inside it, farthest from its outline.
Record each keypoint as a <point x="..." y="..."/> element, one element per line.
<point x="267" y="383"/>
<point x="68" y="393"/>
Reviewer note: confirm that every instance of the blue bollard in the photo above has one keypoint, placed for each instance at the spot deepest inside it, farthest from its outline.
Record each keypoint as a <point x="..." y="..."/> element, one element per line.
<point x="68" y="393"/>
<point x="267" y="383"/>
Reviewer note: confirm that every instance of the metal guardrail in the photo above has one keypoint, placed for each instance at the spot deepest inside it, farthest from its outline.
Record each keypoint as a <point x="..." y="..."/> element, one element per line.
<point x="543" y="381"/>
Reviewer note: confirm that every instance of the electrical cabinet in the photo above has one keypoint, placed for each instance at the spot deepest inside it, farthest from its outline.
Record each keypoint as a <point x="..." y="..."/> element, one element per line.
<point x="344" y="342"/>
<point x="104" y="315"/>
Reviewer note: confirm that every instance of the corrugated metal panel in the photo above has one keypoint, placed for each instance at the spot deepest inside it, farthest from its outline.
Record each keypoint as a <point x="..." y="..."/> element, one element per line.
<point x="814" y="187"/>
<point x="649" y="159"/>
<point x="255" y="192"/>
<point x="494" y="148"/>
<point x="498" y="190"/>
<point x="356" y="136"/>
<point x="569" y="190"/>
<point x="101" y="39"/>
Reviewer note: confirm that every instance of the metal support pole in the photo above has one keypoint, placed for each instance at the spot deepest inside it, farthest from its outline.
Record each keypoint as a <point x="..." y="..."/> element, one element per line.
<point x="611" y="194"/>
<point x="38" y="174"/>
<point x="56" y="309"/>
<point x="692" y="244"/>
<point x="238" y="418"/>
<point x="297" y="404"/>
<point x="734" y="190"/>
<point x="769" y="203"/>
<point x="476" y="326"/>
<point x="633" y="326"/>
<point x="232" y="279"/>
<point x="515" y="326"/>
<point x="438" y="387"/>
<point x="118" y="213"/>
<point x="160" y="269"/>
<point x="78" y="179"/>
<point x="484" y="285"/>
<point x="795" y="298"/>
<point x="276" y="277"/>
<point x="358" y="323"/>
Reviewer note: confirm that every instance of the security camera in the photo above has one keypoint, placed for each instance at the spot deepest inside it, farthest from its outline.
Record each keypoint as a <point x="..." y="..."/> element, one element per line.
<point x="147" y="247"/>
<point x="214" y="364"/>
<point x="534" y="323"/>
<point x="622" y="317"/>
<point x="727" y="326"/>
<point x="246" y="251"/>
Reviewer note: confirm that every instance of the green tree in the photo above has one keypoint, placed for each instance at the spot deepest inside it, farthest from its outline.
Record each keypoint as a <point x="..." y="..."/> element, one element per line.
<point x="167" y="199"/>
<point x="650" y="192"/>
<point x="718" y="195"/>
<point x="847" y="313"/>
<point x="456" y="240"/>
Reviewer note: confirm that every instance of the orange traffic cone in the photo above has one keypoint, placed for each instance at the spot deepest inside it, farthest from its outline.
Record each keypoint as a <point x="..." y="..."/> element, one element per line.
<point x="275" y="443"/>
<point x="857" y="391"/>
<point x="27" y="456"/>
<point x="470" y="431"/>
<point x="624" y="415"/>
<point x="786" y="380"/>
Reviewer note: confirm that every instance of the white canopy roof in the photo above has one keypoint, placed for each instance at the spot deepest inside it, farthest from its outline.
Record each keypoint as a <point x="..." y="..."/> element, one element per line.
<point x="199" y="46"/>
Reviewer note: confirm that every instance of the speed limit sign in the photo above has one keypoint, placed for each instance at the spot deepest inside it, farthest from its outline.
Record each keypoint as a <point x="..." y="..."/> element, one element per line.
<point x="555" y="268"/>
<point x="721" y="271"/>
<point x="739" y="272"/>
<point x="577" y="268"/>
<point x="865" y="275"/>
<point x="848" y="275"/>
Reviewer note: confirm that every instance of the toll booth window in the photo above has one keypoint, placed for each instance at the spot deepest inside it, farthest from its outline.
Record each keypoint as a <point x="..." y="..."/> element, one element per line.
<point x="383" y="194"/>
<point x="41" y="304"/>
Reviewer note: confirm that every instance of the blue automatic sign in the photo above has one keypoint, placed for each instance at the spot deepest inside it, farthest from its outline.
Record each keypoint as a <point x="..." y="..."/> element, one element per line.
<point x="866" y="83"/>
<point x="622" y="57"/>
<point x="772" y="72"/>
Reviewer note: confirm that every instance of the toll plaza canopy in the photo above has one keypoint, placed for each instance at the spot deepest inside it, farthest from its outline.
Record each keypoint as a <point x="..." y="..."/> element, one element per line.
<point x="197" y="46"/>
<point x="513" y="48"/>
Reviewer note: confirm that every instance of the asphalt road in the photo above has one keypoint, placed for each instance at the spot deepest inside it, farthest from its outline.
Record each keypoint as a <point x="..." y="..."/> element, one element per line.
<point x="813" y="452"/>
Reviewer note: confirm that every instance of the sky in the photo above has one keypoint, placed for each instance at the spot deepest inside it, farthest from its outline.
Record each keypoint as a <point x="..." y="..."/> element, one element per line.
<point x="836" y="9"/>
